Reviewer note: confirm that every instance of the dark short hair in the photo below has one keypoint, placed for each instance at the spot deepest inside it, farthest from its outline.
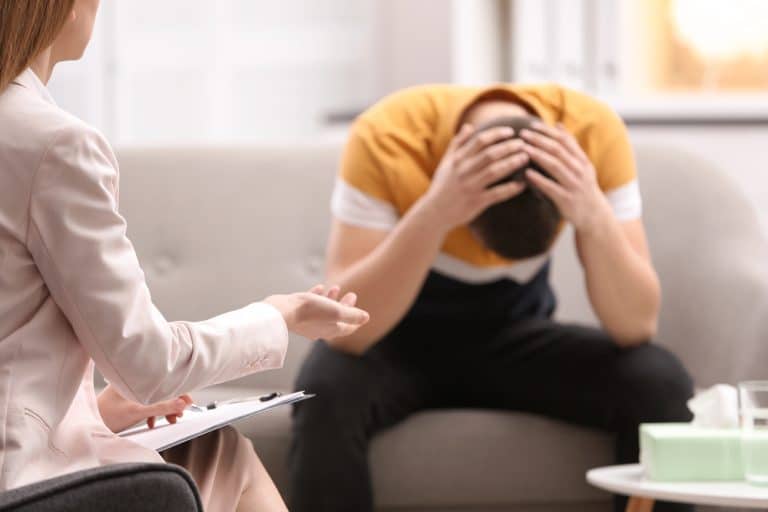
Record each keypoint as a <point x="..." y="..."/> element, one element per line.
<point x="525" y="225"/>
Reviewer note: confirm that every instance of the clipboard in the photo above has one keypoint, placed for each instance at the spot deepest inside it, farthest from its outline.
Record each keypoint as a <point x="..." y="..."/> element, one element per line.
<point x="197" y="423"/>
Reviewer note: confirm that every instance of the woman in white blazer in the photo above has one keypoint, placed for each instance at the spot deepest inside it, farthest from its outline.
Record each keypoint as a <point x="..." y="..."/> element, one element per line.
<point x="72" y="294"/>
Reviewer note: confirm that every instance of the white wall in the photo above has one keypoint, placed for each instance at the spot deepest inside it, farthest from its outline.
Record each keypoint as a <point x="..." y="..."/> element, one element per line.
<point x="478" y="39"/>
<point x="218" y="72"/>
<point x="297" y="63"/>
<point x="412" y="43"/>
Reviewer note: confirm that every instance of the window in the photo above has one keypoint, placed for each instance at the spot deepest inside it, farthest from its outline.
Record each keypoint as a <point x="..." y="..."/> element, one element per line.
<point x="706" y="45"/>
<point x="648" y="57"/>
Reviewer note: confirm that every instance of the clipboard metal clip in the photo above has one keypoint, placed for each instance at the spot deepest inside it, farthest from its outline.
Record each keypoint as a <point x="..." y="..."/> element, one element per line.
<point x="218" y="403"/>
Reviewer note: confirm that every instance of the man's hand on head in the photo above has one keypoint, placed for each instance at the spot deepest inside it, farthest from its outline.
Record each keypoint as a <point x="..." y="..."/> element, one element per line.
<point x="462" y="185"/>
<point x="573" y="184"/>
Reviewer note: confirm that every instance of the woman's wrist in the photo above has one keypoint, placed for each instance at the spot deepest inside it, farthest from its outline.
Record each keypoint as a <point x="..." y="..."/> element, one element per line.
<point x="285" y="305"/>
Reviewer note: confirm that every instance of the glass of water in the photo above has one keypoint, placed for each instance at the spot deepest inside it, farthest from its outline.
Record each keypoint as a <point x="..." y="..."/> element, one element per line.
<point x="753" y="405"/>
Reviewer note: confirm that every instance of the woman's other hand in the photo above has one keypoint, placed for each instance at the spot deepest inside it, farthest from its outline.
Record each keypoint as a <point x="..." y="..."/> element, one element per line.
<point x="319" y="313"/>
<point x="120" y="413"/>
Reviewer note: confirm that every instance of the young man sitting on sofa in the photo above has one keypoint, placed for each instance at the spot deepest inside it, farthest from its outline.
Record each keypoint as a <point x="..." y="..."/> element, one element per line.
<point x="444" y="215"/>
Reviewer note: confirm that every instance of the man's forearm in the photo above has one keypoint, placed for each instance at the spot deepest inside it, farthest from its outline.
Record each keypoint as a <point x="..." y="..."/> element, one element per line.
<point x="622" y="284"/>
<point x="388" y="280"/>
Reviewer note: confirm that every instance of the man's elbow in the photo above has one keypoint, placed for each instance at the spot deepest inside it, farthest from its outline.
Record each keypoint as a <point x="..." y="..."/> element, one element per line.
<point x="353" y="345"/>
<point x="632" y="335"/>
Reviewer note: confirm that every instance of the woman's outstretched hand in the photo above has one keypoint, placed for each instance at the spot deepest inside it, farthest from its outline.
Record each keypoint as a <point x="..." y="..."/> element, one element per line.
<point x="319" y="313"/>
<point x="120" y="413"/>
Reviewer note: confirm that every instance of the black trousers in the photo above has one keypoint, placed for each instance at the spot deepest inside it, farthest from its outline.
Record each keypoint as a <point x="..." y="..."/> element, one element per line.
<point x="572" y="373"/>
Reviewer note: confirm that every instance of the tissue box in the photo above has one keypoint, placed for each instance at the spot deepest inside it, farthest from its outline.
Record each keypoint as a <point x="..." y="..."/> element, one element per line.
<point x="675" y="452"/>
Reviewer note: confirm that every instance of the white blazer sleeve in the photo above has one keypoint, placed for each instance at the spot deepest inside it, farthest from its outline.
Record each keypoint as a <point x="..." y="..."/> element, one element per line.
<point x="78" y="240"/>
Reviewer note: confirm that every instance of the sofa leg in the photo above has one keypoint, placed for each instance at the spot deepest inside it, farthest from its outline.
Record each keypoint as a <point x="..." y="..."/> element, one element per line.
<point x="637" y="504"/>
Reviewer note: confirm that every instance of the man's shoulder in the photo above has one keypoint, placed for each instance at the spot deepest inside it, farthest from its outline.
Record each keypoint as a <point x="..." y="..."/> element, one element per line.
<point x="421" y="100"/>
<point x="588" y="110"/>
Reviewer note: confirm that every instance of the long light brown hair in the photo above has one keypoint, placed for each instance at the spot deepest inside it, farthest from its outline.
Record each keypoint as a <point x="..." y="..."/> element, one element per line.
<point x="27" y="27"/>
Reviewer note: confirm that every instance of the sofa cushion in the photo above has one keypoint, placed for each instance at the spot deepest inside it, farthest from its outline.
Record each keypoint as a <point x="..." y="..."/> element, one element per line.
<point x="218" y="228"/>
<point x="451" y="457"/>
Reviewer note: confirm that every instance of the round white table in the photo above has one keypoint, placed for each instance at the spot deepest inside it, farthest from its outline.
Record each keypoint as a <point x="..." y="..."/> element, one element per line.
<point x="628" y="480"/>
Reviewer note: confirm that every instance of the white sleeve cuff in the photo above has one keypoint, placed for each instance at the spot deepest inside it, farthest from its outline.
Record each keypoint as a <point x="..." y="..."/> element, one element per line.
<point x="265" y="335"/>
<point x="357" y="208"/>
<point x="626" y="201"/>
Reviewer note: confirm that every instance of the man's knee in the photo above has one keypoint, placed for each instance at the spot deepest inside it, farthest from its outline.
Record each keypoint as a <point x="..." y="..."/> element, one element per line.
<point x="654" y="385"/>
<point x="338" y="382"/>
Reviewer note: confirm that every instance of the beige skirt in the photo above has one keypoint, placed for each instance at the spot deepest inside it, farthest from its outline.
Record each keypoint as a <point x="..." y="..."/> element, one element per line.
<point x="222" y="463"/>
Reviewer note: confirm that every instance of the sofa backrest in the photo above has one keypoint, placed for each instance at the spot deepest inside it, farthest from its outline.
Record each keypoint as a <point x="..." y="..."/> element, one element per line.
<point x="217" y="228"/>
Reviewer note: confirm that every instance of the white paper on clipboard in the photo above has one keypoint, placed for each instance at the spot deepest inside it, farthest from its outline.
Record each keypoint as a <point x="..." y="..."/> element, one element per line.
<point x="194" y="424"/>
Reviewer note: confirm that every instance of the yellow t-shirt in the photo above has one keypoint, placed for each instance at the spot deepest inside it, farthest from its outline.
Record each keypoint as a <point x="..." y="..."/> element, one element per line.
<point x="396" y="145"/>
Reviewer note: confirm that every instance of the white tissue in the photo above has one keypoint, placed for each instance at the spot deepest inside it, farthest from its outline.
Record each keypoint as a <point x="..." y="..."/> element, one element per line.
<point x="716" y="407"/>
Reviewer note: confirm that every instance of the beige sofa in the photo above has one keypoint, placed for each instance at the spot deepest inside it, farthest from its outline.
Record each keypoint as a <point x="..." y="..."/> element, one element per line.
<point x="216" y="228"/>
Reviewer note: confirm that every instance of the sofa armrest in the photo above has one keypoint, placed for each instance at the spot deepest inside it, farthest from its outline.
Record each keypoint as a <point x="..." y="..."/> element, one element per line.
<point x="117" y="488"/>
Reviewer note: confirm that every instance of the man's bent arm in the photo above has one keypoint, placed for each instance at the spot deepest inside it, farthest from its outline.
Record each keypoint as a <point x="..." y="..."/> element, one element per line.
<point x="621" y="282"/>
<point x="386" y="269"/>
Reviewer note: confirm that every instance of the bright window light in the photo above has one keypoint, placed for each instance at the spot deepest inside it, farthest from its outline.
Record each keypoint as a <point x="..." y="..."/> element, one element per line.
<point x="719" y="29"/>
